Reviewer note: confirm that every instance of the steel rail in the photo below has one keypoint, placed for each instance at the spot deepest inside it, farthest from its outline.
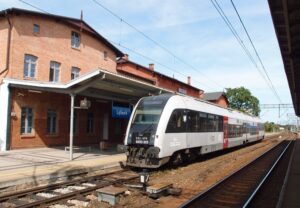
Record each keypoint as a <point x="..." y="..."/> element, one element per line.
<point x="100" y="179"/>
<point x="202" y="194"/>
<point x="73" y="194"/>
<point x="25" y="192"/>
<point x="266" y="177"/>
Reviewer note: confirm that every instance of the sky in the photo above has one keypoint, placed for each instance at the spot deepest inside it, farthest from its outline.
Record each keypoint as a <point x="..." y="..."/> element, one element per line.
<point x="194" y="32"/>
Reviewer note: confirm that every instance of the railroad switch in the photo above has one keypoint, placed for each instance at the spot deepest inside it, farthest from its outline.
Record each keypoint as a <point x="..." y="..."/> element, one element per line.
<point x="110" y="194"/>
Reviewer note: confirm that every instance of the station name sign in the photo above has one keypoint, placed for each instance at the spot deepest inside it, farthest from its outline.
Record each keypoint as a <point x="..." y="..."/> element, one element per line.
<point x="181" y="90"/>
<point x="120" y="112"/>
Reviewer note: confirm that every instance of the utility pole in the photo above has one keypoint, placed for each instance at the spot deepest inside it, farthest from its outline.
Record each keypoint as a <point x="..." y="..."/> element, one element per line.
<point x="276" y="106"/>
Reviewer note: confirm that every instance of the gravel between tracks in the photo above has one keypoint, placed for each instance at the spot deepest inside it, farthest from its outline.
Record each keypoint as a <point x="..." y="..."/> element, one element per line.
<point x="197" y="176"/>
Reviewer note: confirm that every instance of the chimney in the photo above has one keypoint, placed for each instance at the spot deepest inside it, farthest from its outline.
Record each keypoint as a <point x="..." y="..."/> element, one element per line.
<point x="189" y="80"/>
<point x="81" y="21"/>
<point x="201" y="93"/>
<point x="126" y="57"/>
<point x="151" y="67"/>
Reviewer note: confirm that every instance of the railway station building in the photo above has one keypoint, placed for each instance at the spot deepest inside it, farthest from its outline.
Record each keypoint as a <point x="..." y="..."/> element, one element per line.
<point x="62" y="82"/>
<point x="218" y="98"/>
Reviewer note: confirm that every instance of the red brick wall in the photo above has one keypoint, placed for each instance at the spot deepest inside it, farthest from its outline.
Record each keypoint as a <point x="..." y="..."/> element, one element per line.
<point x="41" y="102"/>
<point x="53" y="43"/>
<point x="174" y="85"/>
<point x="160" y="81"/>
<point x="136" y="70"/>
<point x="222" y="102"/>
<point x="3" y="43"/>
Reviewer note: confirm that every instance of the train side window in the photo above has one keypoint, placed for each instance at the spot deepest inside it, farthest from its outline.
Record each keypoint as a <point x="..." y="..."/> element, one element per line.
<point x="202" y="122"/>
<point x="211" y="123"/>
<point x="220" y="129"/>
<point x="193" y="121"/>
<point x="176" y="122"/>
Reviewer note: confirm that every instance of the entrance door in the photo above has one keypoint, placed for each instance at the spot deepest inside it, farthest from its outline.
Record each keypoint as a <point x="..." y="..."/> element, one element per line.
<point x="226" y="132"/>
<point x="105" y="126"/>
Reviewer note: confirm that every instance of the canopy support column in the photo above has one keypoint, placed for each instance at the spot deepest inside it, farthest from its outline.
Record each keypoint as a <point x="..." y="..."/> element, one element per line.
<point x="71" y="126"/>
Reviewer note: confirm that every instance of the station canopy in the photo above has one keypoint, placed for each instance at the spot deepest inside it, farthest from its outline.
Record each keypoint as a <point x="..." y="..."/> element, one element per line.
<point x="286" y="19"/>
<point x="99" y="83"/>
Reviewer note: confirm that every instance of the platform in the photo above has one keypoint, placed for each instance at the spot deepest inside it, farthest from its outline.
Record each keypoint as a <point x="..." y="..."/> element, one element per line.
<point x="291" y="190"/>
<point x="33" y="165"/>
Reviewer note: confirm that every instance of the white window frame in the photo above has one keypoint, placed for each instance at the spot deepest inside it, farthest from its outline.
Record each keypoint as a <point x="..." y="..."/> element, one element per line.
<point x="51" y="114"/>
<point x="28" y="120"/>
<point x="105" y="55"/>
<point x="31" y="62"/>
<point x="36" y="26"/>
<point x="75" y="72"/>
<point x="55" y="67"/>
<point x="75" y="39"/>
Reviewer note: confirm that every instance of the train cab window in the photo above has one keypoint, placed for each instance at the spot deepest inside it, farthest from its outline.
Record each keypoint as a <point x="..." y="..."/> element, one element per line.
<point x="177" y="122"/>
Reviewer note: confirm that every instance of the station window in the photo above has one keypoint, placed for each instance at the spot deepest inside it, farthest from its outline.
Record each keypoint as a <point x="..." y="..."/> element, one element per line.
<point x="75" y="72"/>
<point x="54" y="71"/>
<point x="26" y="120"/>
<point x="51" y="121"/>
<point x="36" y="28"/>
<point x="105" y="55"/>
<point x="75" y="39"/>
<point x="90" y="123"/>
<point x="30" y="63"/>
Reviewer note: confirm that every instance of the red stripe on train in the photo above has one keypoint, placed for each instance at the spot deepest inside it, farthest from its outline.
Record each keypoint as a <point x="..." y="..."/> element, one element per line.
<point x="226" y="132"/>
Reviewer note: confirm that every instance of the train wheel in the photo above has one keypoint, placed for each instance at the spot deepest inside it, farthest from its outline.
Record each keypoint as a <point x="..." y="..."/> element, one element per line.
<point x="190" y="157"/>
<point x="177" y="159"/>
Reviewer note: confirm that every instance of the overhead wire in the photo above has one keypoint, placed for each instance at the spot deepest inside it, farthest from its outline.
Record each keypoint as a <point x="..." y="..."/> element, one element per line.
<point x="155" y="61"/>
<point x="254" y="48"/>
<point x="33" y="6"/>
<point x="132" y="50"/>
<point x="155" y="42"/>
<point x="241" y="43"/>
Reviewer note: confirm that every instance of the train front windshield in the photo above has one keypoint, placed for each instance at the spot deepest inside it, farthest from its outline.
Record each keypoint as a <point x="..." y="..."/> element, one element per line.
<point x="145" y="120"/>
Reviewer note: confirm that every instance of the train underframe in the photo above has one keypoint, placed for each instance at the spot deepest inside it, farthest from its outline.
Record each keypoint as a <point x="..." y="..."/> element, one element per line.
<point x="147" y="157"/>
<point x="144" y="157"/>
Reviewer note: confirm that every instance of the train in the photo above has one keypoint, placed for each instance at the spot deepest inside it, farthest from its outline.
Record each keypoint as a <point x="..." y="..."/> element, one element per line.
<point x="173" y="128"/>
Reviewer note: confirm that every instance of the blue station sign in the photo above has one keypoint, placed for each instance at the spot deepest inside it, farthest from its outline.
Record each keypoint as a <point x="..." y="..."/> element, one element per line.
<point x="120" y="112"/>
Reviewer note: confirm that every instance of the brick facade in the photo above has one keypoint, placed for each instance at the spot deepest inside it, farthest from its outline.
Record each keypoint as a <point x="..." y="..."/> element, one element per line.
<point x="222" y="101"/>
<point x="154" y="77"/>
<point x="4" y="29"/>
<point x="41" y="102"/>
<point x="53" y="43"/>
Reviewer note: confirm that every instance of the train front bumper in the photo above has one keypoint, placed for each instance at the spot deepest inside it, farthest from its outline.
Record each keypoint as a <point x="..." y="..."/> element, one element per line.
<point x="144" y="157"/>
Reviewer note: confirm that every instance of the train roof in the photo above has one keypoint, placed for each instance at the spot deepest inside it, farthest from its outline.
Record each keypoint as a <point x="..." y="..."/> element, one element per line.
<point x="215" y="108"/>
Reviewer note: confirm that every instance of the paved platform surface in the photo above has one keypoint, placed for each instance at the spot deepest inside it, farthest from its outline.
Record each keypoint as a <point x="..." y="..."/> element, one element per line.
<point x="32" y="165"/>
<point x="291" y="196"/>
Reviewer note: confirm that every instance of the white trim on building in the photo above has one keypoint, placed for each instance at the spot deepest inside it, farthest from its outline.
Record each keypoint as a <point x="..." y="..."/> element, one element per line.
<point x="4" y="97"/>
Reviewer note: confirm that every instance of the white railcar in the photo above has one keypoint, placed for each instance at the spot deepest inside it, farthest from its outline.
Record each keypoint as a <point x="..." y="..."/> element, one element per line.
<point x="174" y="128"/>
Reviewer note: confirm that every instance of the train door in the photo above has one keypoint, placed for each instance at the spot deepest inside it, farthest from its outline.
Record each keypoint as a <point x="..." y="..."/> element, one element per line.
<point x="226" y="132"/>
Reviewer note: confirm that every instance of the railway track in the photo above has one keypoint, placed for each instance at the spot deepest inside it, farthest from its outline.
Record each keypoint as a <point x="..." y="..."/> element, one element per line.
<point x="65" y="193"/>
<point x="241" y="188"/>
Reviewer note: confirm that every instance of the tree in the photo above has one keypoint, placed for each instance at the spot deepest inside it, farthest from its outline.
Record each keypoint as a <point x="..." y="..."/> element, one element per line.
<point x="271" y="127"/>
<point x="241" y="99"/>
